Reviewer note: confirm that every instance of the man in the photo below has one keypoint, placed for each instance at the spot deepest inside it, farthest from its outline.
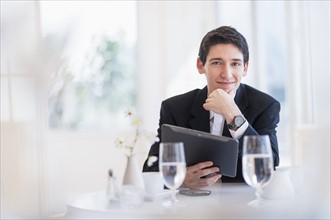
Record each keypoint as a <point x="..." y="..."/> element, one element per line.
<point x="224" y="107"/>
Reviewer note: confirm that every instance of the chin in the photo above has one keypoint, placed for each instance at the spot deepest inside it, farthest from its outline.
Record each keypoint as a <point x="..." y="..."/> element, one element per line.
<point x="227" y="90"/>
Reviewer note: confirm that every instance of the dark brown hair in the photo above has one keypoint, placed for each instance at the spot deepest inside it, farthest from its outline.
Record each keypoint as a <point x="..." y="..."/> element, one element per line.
<point x="223" y="35"/>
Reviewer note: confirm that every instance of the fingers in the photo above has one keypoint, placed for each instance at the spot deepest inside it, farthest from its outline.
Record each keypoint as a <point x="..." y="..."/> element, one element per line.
<point x="214" y="99"/>
<point x="210" y="103"/>
<point x="200" y="166"/>
<point x="222" y="103"/>
<point x="201" y="175"/>
<point x="205" y="172"/>
<point x="198" y="174"/>
<point x="221" y="91"/>
<point x="200" y="183"/>
<point x="206" y="106"/>
<point x="207" y="181"/>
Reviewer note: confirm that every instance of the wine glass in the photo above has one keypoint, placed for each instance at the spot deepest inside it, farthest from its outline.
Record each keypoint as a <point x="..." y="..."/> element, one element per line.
<point x="257" y="162"/>
<point x="172" y="167"/>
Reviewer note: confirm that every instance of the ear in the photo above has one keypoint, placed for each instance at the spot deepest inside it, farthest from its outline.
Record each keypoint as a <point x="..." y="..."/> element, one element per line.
<point x="245" y="68"/>
<point x="200" y="66"/>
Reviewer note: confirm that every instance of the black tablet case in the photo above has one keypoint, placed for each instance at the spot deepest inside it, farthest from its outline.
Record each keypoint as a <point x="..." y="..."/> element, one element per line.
<point x="202" y="146"/>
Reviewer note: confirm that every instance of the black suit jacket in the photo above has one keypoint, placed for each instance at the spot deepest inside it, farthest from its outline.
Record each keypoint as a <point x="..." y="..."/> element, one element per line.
<point x="186" y="110"/>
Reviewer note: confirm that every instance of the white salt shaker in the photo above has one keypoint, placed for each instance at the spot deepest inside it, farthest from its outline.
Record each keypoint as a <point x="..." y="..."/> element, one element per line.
<point x="112" y="187"/>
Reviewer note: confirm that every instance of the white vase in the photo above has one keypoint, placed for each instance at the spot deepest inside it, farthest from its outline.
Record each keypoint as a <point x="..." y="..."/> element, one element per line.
<point x="133" y="175"/>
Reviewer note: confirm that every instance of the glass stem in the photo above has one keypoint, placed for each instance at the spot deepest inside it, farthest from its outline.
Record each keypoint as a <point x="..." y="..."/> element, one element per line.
<point x="173" y="196"/>
<point x="258" y="193"/>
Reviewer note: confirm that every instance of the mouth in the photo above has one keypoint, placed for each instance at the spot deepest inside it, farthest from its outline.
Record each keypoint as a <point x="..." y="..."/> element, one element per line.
<point x="226" y="86"/>
<point x="226" y="83"/>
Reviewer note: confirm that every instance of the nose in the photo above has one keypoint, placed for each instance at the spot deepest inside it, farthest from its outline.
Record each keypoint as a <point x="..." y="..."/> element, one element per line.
<point x="226" y="72"/>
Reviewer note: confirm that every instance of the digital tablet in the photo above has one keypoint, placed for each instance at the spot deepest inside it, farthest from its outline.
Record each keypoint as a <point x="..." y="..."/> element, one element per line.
<point x="202" y="146"/>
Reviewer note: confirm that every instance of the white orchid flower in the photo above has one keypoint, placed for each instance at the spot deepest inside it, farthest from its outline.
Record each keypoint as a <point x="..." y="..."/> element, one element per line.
<point x="151" y="160"/>
<point x="136" y="121"/>
<point x="119" y="142"/>
<point x="141" y="138"/>
<point x="129" y="112"/>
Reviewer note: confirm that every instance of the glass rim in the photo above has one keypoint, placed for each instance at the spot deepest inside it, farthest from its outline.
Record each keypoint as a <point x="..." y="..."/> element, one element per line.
<point x="172" y="142"/>
<point x="256" y="135"/>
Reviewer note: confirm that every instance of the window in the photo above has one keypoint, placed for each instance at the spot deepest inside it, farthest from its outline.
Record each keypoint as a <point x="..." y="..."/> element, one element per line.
<point x="265" y="31"/>
<point x="95" y="79"/>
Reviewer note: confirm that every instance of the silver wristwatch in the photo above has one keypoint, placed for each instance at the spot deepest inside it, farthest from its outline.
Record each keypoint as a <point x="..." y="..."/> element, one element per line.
<point x="237" y="122"/>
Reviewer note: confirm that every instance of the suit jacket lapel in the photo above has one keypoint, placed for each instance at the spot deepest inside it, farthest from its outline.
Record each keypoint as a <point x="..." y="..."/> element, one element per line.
<point x="200" y="116"/>
<point x="241" y="98"/>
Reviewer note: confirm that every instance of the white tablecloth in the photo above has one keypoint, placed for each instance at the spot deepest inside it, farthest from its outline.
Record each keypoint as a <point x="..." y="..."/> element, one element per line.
<point x="227" y="201"/>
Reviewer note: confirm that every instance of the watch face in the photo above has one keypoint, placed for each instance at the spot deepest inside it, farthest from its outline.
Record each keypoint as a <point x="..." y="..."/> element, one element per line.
<point x="238" y="121"/>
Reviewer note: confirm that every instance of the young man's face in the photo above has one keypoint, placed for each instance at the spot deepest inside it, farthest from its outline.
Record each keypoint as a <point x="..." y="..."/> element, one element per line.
<point x="224" y="67"/>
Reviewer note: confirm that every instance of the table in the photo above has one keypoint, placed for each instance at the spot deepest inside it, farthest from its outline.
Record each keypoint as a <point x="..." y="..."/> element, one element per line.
<point x="227" y="201"/>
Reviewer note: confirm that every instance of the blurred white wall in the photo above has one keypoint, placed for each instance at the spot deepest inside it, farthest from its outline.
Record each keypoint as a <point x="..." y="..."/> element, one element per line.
<point x="168" y="33"/>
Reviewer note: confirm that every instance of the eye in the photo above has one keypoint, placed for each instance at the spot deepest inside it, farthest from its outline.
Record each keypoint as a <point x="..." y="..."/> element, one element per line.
<point x="236" y="64"/>
<point x="216" y="63"/>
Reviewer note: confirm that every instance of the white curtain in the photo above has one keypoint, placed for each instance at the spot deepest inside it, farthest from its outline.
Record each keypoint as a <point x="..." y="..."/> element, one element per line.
<point x="23" y="112"/>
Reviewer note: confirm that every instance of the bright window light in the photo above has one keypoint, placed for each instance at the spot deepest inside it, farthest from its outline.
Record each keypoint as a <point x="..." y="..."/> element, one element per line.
<point x="95" y="81"/>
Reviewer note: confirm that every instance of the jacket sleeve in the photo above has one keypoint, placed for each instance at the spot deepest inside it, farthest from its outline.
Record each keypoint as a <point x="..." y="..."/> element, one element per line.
<point x="265" y="124"/>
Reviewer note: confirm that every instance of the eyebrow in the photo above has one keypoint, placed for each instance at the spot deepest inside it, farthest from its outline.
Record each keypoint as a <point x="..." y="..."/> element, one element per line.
<point x="217" y="59"/>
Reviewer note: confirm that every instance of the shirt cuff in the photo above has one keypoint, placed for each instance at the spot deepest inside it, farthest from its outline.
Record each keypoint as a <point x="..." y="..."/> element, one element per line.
<point x="238" y="133"/>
